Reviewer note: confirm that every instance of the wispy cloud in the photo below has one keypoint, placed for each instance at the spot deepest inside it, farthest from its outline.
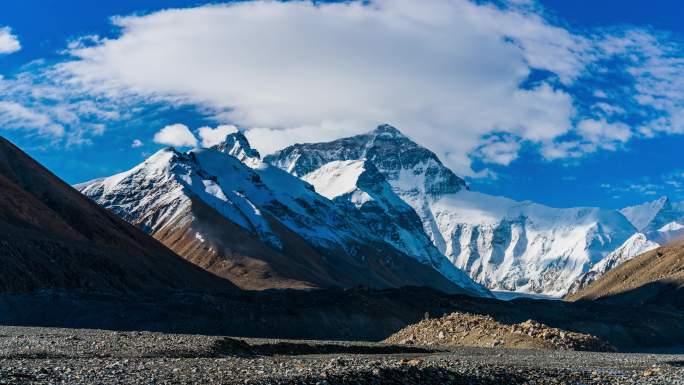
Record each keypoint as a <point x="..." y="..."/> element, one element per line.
<point x="671" y="183"/>
<point x="38" y="103"/>
<point x="15" y="115"/>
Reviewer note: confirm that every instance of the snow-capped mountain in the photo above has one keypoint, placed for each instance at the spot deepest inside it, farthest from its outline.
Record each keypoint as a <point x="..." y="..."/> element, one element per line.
<point x="660" y="220"/>
<point x="225" y="210"/>
<point x="500" y="243"/>
<point x="414" y="172"/>
<point x="636" y="244"/>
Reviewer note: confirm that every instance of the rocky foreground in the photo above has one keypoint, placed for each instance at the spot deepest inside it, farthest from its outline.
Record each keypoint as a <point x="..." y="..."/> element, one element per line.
<point x="71" y="356"/>
<point x="475" y="330"/>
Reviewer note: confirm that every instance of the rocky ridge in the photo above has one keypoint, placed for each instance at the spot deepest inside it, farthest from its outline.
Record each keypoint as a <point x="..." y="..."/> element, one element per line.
<point x="654" y="278"/>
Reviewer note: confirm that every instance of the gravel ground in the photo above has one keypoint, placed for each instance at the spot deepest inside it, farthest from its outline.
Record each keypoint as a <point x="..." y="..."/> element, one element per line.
<point x="71" y="356"/>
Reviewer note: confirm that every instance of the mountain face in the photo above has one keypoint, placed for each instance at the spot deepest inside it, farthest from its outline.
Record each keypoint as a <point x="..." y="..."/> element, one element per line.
<point x="500" y="243"/>
<point x="414" y="172"/>
<point x="357" y="185"/>
<point x="51" y="237"/>
<point x="225" y="210"/>
<point x="636" y="244"/>
<point x="237" y="146"/>
<point x="661" y="220"/>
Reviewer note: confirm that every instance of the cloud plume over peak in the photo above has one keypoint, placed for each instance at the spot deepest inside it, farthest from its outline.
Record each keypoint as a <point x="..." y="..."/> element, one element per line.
<point x="449" y="73"/>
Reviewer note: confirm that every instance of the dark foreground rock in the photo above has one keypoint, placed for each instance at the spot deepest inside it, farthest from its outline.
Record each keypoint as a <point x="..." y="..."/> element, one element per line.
<point x="73" y="356"/>
<point x="334" y="314"/>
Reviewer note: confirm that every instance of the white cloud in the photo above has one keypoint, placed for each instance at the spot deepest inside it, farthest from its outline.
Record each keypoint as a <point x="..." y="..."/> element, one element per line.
<point x="136" y="143"/>
<point x="177" y="135"/>
<point x="608" y="109"/>
<point x="213" y="136"/>
<point x="9" y="43"/>
<point x="446" y="74"/>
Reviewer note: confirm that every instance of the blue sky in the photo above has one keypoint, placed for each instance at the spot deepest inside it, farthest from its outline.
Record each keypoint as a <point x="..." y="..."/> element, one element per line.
<point x="562" y="102"/>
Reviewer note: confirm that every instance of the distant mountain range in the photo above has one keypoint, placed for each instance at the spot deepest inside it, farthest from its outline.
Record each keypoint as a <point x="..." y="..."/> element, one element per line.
<point x="500" y="243"/>
<point x="375" y="209"/>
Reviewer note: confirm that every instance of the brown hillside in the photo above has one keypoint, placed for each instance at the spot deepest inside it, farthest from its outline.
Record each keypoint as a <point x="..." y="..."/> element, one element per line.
<point x="655" y="277"/>
<point x="229" y="251"/>
<point x="53" y="237"/>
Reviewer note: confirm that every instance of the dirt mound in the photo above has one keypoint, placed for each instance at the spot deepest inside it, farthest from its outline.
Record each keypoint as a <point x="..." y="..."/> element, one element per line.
<point x="463" y="329"/>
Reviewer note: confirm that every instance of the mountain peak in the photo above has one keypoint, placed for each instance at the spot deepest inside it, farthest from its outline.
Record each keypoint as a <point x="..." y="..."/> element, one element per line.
<point x="387" y="130"/>
<point x="406" y="165"/>
<point x="237" y="145"/>
<point x="663" y="199"/>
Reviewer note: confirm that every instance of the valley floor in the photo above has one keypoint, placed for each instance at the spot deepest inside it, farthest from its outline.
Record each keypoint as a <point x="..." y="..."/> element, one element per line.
<point x="79" y="356"/>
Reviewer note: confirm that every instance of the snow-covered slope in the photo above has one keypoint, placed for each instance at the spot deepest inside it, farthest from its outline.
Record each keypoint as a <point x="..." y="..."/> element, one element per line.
<point x="307" y="237"/>
<point x="636" y="244"/>
<point x="525" y="246"/>
<point x="661" y="220"/>
<point x="642" y="215"/>
<point x="357" y="184"/>
<point x="339" y="178"/>
<point x="501" y="243"/>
